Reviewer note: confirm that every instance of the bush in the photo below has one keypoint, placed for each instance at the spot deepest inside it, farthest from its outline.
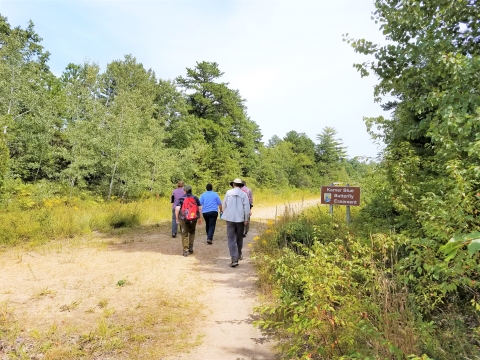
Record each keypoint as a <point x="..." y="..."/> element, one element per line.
<point x="121" y="220"/>
<point x="334" y="303"/>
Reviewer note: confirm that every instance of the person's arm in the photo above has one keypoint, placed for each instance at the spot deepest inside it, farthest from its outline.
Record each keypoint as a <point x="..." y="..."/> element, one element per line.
<point x="219" y="204"/>
<point x="177" y="211"/>
<point x="224" y="204"/>
<point x="246" y="208"/>
<point x="199" y="214"/>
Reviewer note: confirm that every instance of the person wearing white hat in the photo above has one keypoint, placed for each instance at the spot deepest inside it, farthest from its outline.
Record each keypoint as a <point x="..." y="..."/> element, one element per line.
<point x="236" y="210"/>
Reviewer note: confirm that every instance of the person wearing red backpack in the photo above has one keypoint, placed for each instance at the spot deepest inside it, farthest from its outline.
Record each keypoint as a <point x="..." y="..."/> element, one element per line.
<point x="187" y="212"/>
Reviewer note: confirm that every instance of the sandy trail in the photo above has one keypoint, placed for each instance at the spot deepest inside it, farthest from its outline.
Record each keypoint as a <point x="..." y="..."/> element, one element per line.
<point x="65" y="284"/>
<point x="229" y="332"/>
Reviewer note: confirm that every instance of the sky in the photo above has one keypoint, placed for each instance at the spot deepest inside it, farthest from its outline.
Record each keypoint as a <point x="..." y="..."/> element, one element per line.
<point x="286" y="57"/>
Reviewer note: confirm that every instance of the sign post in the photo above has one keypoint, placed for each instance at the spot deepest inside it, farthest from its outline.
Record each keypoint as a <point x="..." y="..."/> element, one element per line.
<point x="330" y="207"/>
<point x="340" y="195"/>
<point x="347" y="210"/>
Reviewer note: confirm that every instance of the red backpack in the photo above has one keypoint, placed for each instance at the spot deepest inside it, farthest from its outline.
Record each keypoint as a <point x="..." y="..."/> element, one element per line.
<point x="189" y="209"/>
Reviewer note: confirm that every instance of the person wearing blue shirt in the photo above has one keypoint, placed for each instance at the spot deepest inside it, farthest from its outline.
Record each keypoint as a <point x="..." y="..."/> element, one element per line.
<point x="211" y="203"/>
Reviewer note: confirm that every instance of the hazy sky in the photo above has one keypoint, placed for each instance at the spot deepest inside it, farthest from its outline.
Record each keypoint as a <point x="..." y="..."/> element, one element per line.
<point x="286" y="57"/>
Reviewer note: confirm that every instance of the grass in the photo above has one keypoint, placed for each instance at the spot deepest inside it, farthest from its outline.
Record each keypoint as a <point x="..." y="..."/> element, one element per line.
<point x="103" y="324"/>
<point x="269" y="197"/>
<point x="43" y="293"/>
<point x="150" y="332"/>
<point x="60" y="218"/>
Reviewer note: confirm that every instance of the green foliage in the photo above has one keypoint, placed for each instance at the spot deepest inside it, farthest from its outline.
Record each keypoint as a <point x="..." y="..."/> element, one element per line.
<point x="222" y="119"/>
<point x="329" y="151"/>
<point x="4" y="163"/>
<point x="430" y="163"/>
<point x="122" y="132"/>
<point x="343" y="296"/>
<point x="431" y="140"/>
<point x="472" y="241"/>
<point x="333" y="297"/>
<point x="123" y="219"/>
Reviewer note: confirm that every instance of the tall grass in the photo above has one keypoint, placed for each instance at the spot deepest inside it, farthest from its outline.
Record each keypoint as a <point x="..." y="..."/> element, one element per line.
<point x="61" y="218"/>
<point x="273" y="196"/>
<point x="31" y="218"/>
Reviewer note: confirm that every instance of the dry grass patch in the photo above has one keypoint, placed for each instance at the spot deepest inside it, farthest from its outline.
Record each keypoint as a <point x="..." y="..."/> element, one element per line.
<point x="83" y="298"/>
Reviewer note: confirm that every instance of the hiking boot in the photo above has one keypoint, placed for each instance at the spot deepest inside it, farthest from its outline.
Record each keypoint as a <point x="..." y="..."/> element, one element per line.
<point x="174" y="235"/>
<point x="185" y="253"/>
<point x="241" y="257"/>
<point x="209" y="241"/>
<point x="190" y="250"/>
<point x="234" y="264"/>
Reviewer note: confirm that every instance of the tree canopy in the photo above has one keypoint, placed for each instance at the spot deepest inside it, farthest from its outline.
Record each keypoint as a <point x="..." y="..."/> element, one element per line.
<point x="123" y="132"/>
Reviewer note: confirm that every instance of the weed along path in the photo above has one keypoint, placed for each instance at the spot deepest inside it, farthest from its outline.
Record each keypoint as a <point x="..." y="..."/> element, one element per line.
<point x="133" y="296"/>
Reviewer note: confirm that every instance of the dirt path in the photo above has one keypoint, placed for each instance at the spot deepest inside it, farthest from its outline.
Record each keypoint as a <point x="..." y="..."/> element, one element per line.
<point x="229" y="333"/>
<point x="74" y="284"/>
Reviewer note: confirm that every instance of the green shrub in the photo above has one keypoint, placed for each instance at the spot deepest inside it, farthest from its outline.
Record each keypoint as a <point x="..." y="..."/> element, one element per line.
<point x="334" y="303"/>
<point x="121" y="220"/>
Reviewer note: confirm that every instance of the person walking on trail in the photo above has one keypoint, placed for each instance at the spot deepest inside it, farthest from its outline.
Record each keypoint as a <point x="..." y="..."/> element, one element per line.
<point x="211" y="204"/>
<point x="249" y="193"/>
<point x="187" y="212"/>
<point x="176" y="194"/>
<point x="236" y="210"/>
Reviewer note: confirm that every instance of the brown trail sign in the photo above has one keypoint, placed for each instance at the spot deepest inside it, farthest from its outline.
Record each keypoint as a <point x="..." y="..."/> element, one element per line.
<point x="340" y="195"/>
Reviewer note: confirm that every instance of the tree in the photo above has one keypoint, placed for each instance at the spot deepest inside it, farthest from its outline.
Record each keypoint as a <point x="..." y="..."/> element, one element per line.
<point x="28" y="108"/>
<point x="430" y="68"/>
<point x="274" y="141"/>
<point x="82" y="113"/>
<point x="221" y="116"/>
<point x="302" y="144"/>
<point x="4" y="160"/>
<point x="329" y="150"/>
<point x="429" y="71"/>
<point x="132" y="140"/>
<point x="171" y="113"/>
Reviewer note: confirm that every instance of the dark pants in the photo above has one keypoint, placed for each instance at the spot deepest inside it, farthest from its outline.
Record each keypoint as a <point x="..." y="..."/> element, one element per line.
<point x="235" y="239"/>
<point x="210" y="223"/>
<point x="247" y="227"/>
<point x="188" y="233"/>
<point x="174" y="222"/>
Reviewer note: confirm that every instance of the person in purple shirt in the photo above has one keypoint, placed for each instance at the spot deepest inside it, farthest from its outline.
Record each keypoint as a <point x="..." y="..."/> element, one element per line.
<point x="176" y="194"/>
<point x="249" y="193"/>
<point x="211" y="203"/>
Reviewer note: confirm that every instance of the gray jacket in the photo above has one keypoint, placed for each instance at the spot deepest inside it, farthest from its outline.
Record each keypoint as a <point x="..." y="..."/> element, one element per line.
<point x="236" y="207"/>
